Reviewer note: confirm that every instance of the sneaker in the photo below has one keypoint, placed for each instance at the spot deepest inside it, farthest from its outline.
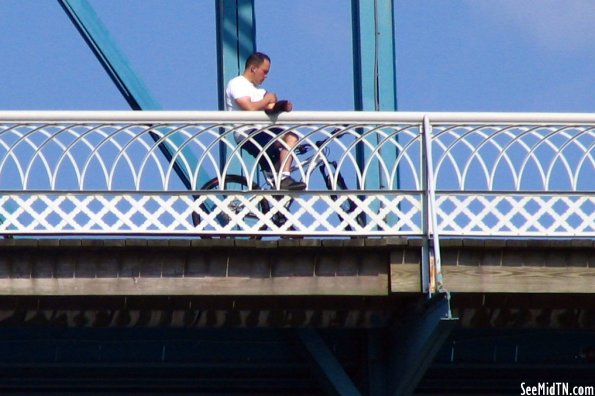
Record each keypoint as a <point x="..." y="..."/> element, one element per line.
<point x="289" y="184"/>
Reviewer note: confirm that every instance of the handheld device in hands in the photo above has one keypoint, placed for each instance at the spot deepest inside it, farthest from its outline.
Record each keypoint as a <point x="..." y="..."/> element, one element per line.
<point x="280" y="106"/>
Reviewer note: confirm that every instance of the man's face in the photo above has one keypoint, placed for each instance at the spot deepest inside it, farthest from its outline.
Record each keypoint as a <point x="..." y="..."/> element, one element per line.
<point x="261" y="72"/>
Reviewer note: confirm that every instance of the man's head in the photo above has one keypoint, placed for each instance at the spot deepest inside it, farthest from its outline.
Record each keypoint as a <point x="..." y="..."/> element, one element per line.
<point x="257" y="67"/>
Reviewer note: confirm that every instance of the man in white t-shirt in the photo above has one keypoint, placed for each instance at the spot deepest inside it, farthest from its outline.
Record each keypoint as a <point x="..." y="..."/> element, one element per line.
<point x="244" y="93"/>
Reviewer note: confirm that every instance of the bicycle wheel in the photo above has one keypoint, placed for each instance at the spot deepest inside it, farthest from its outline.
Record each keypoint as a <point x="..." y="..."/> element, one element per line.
<point x="236" y="212"/>
<point x="348" y="205"/>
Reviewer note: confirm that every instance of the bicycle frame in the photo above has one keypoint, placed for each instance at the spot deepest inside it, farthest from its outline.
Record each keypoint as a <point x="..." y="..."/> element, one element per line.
<point x="318" y="160"/>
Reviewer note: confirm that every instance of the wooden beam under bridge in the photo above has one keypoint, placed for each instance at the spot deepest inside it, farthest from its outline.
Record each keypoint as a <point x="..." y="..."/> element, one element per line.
<point x="304" y="267"/>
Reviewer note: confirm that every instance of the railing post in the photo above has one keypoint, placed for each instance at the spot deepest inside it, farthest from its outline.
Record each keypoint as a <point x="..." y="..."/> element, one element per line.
<point x="431" y="251"/>
<point x="431" y="259"/>
<point x="425" y="252"/>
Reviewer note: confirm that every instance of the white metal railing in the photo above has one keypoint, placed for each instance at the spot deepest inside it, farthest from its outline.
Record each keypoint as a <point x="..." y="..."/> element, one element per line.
<point x="479" y="175"/>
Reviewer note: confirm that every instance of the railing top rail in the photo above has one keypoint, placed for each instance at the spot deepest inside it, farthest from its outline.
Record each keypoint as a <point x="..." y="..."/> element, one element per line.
<point x="295" y="117"/>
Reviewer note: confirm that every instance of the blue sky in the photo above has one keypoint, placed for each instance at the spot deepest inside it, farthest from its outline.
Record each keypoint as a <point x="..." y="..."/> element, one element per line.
<point x="452" y="55"/>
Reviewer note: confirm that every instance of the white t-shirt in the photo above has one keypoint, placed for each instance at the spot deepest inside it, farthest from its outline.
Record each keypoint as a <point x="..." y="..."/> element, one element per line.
<point x="239" y="87"/>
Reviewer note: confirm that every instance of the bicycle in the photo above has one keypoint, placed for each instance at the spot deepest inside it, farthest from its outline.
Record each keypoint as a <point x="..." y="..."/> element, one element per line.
<point x="250" y="195"/>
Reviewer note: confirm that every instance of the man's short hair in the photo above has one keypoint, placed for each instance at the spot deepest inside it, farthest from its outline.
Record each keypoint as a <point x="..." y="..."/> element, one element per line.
<point x="256" y="59"/>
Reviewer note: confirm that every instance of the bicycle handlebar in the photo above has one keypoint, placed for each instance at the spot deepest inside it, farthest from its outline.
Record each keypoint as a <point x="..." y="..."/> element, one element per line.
<point x="305" y="147"/>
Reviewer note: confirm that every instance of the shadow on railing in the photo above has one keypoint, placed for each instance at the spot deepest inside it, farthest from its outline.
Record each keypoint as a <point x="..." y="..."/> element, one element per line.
<point x="367" y="174"/>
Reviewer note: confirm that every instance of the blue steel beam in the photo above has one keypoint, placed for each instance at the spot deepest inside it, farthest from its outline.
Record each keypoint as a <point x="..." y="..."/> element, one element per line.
<point x="236" y="41"/>
<point x="374" y="76"/>
<point x="111" y="58"/>
<point x="325" y="364"/>
<point x="375" y="86"/>
<point x="136" y="94"/>
<point x="376" y="362"/>
<point x="416" y="342"/>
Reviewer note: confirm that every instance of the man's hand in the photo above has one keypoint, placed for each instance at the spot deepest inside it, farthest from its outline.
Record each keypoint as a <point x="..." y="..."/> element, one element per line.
<point x="270" y="97"/>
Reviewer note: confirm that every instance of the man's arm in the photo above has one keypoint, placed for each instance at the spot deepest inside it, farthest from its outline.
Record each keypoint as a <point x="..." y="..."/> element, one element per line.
<point x="265" y="103"/>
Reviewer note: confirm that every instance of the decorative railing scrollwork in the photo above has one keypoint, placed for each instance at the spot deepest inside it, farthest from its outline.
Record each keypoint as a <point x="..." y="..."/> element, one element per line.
<point x="182" y="173"/>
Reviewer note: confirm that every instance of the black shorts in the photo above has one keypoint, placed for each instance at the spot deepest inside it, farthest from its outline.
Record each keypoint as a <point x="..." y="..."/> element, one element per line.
<point x="254" y="144"/>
